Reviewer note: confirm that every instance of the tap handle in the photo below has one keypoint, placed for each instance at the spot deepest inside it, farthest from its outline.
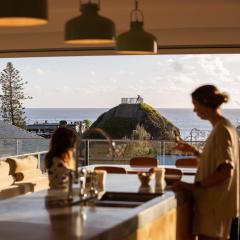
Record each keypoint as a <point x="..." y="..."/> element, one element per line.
<point x="82" y="172"/>
<point x="93" y="189"/>
<point x="70" y="187"/>
<point x="82" y="183"/>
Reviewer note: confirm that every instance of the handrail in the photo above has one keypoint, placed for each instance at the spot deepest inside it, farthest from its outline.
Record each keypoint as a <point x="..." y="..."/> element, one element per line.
<point x="131" y="100"/>
<point x="122" y="150"/>
<point x="24" y="155"/>
<point x="26" y="138"/>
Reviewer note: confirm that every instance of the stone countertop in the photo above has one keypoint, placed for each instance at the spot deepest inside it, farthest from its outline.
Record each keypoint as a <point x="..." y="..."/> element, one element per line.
<point x="25" y="217"/>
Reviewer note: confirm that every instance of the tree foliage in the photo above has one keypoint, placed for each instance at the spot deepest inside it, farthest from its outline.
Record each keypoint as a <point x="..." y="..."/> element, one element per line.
<point x="87" y="123"/>
<point x="12" y="95"/>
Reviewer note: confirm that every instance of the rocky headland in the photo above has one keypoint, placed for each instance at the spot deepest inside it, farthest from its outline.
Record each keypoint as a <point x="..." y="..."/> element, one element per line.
<point x="122" y="120"/>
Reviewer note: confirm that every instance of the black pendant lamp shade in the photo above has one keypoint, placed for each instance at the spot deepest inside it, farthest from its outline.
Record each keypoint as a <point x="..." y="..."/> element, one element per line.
<point x="90" y="27"/>
<point x="22" y="13"/>
<point x="136" y="40"/>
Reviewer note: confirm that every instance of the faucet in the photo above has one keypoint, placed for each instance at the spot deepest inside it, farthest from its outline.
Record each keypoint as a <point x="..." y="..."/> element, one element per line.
<point x="93" y="192"/>
<point x="82" y="183"/>
<point x="70" y="185"/>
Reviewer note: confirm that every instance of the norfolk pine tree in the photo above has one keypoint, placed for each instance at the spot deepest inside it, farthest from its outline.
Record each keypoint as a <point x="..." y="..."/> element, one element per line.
<point x="12" y="96"/>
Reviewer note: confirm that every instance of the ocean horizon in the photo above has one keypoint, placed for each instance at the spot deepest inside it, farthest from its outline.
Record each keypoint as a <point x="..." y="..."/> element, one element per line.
<point x="183" y="118"/>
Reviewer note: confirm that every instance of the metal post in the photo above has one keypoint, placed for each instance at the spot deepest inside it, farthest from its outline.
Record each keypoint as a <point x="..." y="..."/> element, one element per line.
<point x="38" y="156"/>
<point x="17" y="146"/>
<point x="160" y="152"/>
<point x="87" y="152"/>
<point x="163" y="152"/>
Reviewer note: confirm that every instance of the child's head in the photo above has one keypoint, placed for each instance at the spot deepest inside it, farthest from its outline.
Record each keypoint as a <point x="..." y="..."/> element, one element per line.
<point x="64" y="140"/>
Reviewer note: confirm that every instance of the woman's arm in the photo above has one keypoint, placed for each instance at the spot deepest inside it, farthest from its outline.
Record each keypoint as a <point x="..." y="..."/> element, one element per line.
<point x="223" y="172"/>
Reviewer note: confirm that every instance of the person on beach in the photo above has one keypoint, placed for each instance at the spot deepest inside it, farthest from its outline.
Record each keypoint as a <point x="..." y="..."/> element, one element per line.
<point x="59" y="159"/>
<point x="216" y="187"/>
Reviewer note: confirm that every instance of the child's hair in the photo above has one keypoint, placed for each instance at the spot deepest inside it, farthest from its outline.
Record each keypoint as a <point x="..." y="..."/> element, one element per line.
<point x="210" y="96"/>
<point x="63" y="139"/>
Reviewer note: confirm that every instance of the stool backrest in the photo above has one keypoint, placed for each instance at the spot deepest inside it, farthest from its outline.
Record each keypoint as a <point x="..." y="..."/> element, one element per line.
<point x="110" y="169"/>
<point x="143" y="162"/>
<point x="173" y="171"/>
<point x="186" y="162"/>
<point x="172" y="175"/>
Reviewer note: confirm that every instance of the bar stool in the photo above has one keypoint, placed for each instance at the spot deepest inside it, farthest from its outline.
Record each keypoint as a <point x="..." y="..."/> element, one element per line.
<point x="143" y="162"/>
<point x="110" y="169"/>
<point x="186" y="162"/>
<point x="172" y="175"/>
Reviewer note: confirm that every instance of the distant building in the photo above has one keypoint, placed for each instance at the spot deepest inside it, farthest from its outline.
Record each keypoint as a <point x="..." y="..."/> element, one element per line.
<point x="46" y="129"/>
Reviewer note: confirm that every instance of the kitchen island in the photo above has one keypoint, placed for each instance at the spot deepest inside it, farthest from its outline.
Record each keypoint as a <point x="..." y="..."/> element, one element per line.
<point x="167" y="216"/>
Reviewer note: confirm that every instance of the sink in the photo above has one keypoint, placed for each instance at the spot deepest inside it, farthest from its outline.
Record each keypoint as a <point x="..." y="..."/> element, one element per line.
<point x="129" y="196"/>
<point x="117" y="204"/>
<point x="124" y="199"/>
<point x="119" y="200"/>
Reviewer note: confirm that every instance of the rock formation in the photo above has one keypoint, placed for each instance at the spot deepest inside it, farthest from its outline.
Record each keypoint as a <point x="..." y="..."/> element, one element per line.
<point x="122" y="120"/>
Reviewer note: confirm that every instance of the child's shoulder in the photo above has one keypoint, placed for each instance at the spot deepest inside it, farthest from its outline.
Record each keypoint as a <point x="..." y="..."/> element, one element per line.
<point x="58" y="162"/>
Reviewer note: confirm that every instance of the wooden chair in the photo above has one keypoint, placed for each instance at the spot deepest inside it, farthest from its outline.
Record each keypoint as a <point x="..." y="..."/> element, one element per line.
<point x="110" y="169"/>
<point x="172" y="175"/>
<point x="173" y="171"/>
<point x="186" y="162"/>
<point x="143" y="162"/>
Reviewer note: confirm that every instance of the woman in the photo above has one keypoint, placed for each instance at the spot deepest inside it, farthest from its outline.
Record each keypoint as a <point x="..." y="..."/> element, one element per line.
<point x="216" y="187"/>
<point x="59" y="159"/>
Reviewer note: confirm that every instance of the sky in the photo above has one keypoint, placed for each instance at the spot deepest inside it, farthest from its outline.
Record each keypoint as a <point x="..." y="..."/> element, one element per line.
<point x="164" y="81"/>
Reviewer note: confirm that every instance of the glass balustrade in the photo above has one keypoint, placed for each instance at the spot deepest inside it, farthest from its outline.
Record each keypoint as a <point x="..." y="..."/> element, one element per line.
<point x="95" y="151"/>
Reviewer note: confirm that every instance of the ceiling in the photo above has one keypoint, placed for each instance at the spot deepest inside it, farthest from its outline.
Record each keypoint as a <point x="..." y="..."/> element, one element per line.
<point x="181" y="26"/>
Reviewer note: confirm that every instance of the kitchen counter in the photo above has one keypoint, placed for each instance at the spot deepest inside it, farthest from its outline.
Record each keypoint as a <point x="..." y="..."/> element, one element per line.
<point x="166" y="216"/>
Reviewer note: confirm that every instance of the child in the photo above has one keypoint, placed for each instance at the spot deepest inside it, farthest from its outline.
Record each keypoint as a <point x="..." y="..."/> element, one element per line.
<point x="59" y="159"/>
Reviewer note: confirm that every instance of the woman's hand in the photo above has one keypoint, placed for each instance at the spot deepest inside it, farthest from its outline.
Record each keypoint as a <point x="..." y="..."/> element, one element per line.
<point x="184" y="146"/>
<point x="181" y="186"/>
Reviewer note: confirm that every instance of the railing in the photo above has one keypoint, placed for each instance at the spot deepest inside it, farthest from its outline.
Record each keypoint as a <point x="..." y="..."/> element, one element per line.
<point x="21" y="147"/>
<point x="131" y="100"/>
<point x="95" y="151"/>
<point x="194" y="134"/>
<point x="17" y="146"/>
<point x="99" y="151"/>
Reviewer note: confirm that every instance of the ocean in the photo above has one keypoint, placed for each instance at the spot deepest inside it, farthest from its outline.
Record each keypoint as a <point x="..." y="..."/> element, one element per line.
<point x="185" y="119"/>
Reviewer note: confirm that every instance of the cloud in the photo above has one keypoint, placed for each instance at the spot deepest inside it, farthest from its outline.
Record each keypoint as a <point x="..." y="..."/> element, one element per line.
<point x="113" y="80"/>
<point x="177" y="66"/>
<point x="39" y="71"/>
<point x="102" y="81"/>
<point x="93" y="73"/>
<point x="215" y="69"/>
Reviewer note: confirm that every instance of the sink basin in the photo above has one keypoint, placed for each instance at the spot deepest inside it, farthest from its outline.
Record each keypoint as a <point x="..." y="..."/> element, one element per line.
<point x="117" y="204"/>
<point x="119" y="199"/>
<point x="124" y="199"/>
<point x="128" y="196"/>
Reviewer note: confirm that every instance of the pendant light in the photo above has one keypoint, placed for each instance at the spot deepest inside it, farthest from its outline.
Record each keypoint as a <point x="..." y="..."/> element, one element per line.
<point x="90" y="27"/>
<point x="23" y="13"/>
<point x="136" y="40"/>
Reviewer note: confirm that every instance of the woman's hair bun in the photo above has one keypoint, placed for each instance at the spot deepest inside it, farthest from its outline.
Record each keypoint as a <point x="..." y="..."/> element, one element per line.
<point x="225" y="97"/>
<point x="210" y="96"/>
